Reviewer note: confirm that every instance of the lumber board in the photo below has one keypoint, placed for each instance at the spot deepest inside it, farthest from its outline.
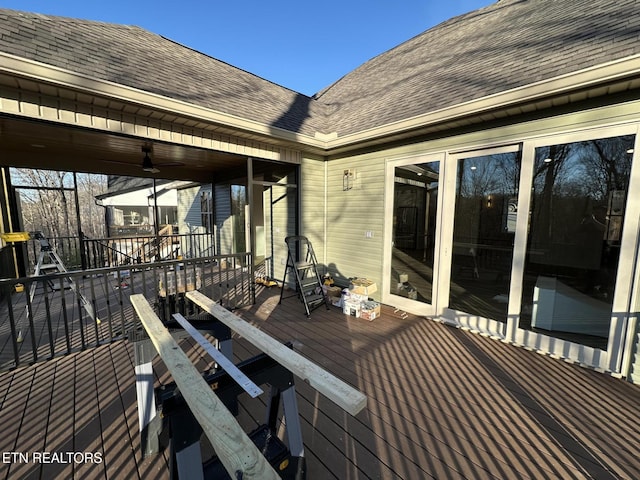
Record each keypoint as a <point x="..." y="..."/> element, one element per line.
<point x="227" y="365"/>
<point x="341" y="393"/>
<point x="232" y="445"/>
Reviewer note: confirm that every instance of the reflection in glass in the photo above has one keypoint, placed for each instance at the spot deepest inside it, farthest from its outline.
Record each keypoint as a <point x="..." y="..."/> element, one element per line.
<point x="577" y="213"/>
<point x="483" y="234"/>
<point x="414" y="223"/>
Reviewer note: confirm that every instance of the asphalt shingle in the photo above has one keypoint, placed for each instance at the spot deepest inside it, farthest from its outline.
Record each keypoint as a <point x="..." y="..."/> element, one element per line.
<point x="506" y="45"/>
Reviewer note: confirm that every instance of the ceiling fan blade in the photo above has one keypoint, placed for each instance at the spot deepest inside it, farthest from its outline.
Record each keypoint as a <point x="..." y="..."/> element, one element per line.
<point x="169" y="164"/>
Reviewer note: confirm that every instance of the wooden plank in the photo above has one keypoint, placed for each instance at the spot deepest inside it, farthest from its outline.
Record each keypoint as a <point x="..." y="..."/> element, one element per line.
<point x="341" y="393"/>
<point x="227" y="365"/>
<point x="234" y="448"/>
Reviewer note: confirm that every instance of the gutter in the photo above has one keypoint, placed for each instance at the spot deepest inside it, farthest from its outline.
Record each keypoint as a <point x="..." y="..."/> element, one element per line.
<point x="62" y="78"/>
<point x="326" y="143"/>
<point x="590" y="77"/>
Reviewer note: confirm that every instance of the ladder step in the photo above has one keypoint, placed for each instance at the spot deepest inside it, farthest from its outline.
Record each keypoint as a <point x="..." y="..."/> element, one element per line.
<point x="49" y="266"/>
<point x="313" y="299"/>
<point x="303" y="265"/>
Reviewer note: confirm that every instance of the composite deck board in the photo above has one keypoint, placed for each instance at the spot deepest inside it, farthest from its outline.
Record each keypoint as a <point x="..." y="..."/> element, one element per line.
<point x="408" y="407"/>
<point x="442" y="403"/>
<point x="30" y="437"/>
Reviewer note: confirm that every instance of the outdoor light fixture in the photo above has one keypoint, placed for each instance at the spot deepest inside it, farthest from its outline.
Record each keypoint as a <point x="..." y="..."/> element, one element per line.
<point x="347" y="179"/>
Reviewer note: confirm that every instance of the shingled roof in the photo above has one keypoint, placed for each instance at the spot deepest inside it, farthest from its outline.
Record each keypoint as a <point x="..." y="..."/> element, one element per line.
<point x="506" y="45"/>
<point x="135" y="57"/>
<point x="509" y="44"/>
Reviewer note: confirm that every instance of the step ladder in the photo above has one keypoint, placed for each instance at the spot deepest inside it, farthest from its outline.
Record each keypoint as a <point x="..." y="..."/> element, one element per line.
<point x="307" y="278"/>
<point x="50" y="262"/>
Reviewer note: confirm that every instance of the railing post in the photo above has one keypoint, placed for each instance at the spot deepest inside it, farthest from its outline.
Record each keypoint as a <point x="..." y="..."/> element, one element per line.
<point x="83" y="254"/>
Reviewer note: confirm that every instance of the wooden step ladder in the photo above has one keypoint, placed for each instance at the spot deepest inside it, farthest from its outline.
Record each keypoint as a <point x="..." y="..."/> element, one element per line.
<point x="307" y="278"/>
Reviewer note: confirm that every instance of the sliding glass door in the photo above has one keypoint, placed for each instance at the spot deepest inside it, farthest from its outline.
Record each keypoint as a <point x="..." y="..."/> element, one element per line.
<point x="577" y="213"/>
<point x="414" y="233"/>
<point x="536" y="242"/>
<point x="484" y="221"/>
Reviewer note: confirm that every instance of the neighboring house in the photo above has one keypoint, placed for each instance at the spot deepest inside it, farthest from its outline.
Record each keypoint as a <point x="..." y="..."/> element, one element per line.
<point x="479" y="173"/>
<point x="130" y="205"/>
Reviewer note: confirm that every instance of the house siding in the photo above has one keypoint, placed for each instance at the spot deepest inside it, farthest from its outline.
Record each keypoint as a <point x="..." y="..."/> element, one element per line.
<point x="223" y="219"/>
<point x="313" y="205"/>
<point x="189" y="218"/>
<point x="280" y="204"/>
<point x="355" y="219"/>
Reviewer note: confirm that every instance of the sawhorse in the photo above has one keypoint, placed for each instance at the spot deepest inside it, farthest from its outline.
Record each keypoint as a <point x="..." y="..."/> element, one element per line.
<point x="185" y="432"/>
<point x="144" y="352"/>
<point x="164" y="413"/>
<point x="238" y="453"/>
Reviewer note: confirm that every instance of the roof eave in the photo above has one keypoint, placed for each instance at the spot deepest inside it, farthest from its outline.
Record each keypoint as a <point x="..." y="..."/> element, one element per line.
<point x="59" y="77"/>
<point x="588" y="78"/>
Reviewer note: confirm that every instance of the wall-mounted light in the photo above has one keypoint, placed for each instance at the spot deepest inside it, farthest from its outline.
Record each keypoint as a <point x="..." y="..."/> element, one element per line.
<point x="348" y="178"/>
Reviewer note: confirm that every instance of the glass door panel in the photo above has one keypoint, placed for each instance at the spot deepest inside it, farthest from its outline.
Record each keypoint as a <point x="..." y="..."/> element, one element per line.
<point x="573" y="249"/>
<point x="415" y="200"/>
<point x="486" y="206"/>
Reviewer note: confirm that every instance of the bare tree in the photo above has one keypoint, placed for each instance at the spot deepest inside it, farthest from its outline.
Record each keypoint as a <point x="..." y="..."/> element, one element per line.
<point x="48" y="202"/>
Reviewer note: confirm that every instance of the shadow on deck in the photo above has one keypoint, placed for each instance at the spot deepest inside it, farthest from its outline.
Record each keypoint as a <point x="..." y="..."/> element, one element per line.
<point x="442" y="403"/>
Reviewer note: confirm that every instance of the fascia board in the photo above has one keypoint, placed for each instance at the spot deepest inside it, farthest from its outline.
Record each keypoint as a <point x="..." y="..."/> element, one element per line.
<point x="564" y="84"/>
<point x="40" y="72"/>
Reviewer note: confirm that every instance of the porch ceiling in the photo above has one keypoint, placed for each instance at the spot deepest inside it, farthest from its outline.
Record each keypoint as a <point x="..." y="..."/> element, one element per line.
<point x="37" y="144"/>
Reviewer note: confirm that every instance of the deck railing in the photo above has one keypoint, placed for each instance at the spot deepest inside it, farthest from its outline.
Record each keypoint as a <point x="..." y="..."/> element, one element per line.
<point x="118" y="251"/>
<point x="59" y="317"/>
<point x="94" y="253"/>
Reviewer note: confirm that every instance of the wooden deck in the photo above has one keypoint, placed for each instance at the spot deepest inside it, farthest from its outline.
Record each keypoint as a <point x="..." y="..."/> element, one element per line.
<point x="442" y="403"/>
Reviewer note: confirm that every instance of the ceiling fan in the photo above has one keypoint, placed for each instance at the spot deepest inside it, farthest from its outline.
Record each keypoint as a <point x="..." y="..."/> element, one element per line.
<point x="147" y="164"/>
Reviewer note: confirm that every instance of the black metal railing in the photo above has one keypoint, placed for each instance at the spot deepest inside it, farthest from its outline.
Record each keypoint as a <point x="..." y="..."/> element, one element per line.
<point x="94" y="253"/>
<point x="51" y="315"/>
<point x="113" y="252"/>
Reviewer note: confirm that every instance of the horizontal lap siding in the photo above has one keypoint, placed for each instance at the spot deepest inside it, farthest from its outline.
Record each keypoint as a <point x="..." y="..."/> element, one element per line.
<point x="282" y="206"/>
<point x="352" y="213"/>
<point x="312" y="204"/>
<point x="223" y="221"/>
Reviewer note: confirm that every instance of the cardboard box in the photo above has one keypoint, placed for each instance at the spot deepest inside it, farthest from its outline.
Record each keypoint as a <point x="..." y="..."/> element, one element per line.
<point x="370" y="310"/>
<point x="362" y="286"/>
<point x="352" y="308"/>
<point x="354" y="297"/>
<point x="334" y="291"/>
